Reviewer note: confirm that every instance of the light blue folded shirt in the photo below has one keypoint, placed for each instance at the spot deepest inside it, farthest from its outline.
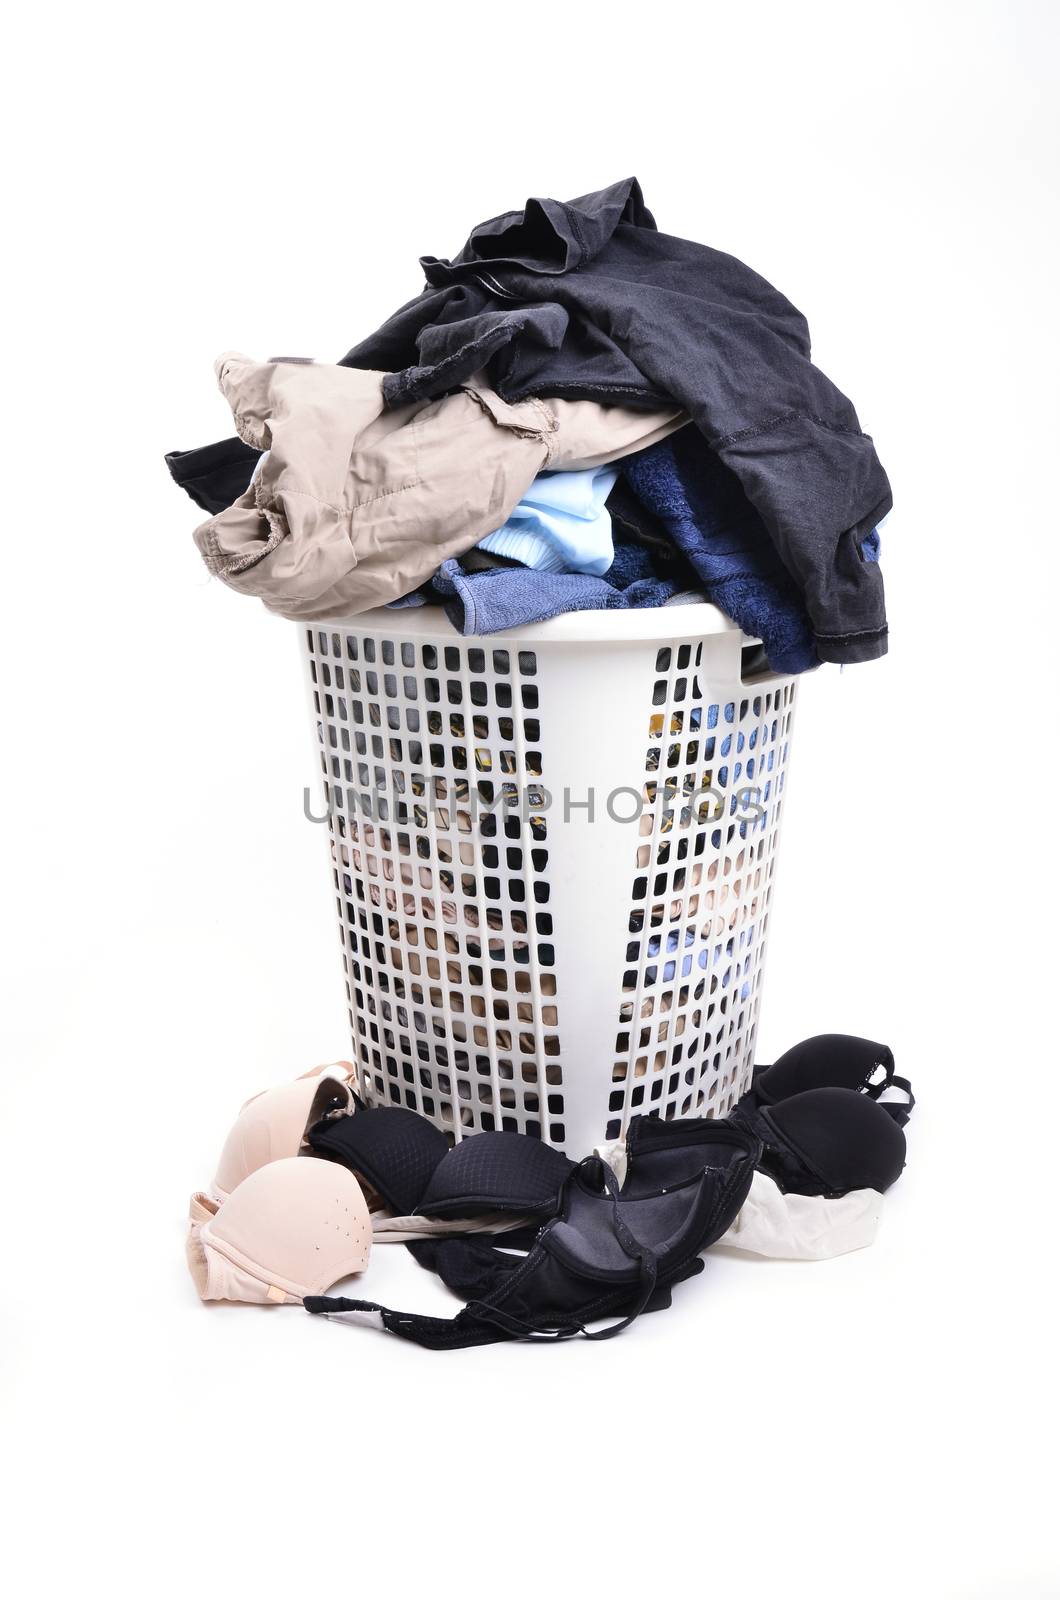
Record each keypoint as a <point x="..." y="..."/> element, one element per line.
<point x="561" y="524"/>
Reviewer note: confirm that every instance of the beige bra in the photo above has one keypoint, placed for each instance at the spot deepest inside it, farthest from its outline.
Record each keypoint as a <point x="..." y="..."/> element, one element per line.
<point x="294" y="1227"/>
<point x="272" y="1124"/>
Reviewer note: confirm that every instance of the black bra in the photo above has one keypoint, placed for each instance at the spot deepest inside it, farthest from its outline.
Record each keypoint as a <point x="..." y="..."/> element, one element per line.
<point x="832" y="1061"/>
<point x="814" y="1122"/>
<point x="603" y="1252"/>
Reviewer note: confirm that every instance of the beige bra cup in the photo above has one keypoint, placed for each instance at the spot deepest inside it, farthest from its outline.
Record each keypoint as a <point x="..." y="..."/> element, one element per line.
<point x="292" y="1228"/>
<point x="272" y="1124"/>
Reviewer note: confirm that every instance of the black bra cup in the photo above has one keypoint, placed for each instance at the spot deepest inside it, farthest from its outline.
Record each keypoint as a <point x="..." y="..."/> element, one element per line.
<point x="827" y="1142"/>
<point x="831" y="1061"/>
<point x="685" y="1181"/>
<point x="827" y="1061"/>
<point x="397" y="1151"/>
<point x="496" y="1172"/>
<point x="661" y="1154"/>
<point x="683" y="1185"/>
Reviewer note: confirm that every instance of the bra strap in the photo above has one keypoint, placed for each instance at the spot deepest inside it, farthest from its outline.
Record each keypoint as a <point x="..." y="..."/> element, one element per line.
<point x="899" y="1110"/>
<point x="484" y="1322"/>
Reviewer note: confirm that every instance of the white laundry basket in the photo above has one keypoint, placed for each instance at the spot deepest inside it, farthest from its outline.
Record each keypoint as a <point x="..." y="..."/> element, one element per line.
<point x="552" y="868"/>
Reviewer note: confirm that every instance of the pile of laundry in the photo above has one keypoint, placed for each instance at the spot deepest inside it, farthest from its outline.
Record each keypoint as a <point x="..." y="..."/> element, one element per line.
<point x="578" y="412"/>
<point x="536" y="1245"/>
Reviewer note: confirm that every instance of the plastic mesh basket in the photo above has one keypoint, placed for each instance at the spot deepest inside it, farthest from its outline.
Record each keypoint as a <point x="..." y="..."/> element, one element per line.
<point x="553" y="855"/>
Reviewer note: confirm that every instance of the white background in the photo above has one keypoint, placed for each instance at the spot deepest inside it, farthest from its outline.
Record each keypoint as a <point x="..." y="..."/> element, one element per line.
<point x="185" y="180"/>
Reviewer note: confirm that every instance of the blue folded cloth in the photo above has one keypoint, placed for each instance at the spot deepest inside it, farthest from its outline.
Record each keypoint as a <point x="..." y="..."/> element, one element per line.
<point x="679" y="521"/>
<point x="561" y="524"/>
<point x="702" y="505"/>
<point x="513" y="597"/>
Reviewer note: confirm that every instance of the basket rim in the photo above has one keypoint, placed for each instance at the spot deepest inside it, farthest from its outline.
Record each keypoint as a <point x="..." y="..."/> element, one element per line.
<point x="662" y="624"/>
